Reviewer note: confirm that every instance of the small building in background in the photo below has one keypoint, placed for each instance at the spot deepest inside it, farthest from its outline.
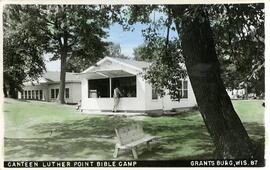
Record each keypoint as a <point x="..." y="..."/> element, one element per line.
<point x="46" y="88"/>
<point x="236" y="93"/>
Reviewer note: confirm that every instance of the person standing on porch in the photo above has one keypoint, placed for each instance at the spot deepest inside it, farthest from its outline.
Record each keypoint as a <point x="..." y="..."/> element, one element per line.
<point x="116" y="98"/>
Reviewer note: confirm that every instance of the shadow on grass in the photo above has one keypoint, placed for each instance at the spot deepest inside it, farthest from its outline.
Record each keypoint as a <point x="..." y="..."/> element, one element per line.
<point x="256" y="132"/>
<point x="56" y="149"/>
<point x="92" y="138"/>
<point x="92" y="127"/>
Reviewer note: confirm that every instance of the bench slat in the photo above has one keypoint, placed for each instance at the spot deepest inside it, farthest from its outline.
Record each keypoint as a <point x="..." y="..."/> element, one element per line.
<point x="131" y="136"/>
<point x="135" y="143"/>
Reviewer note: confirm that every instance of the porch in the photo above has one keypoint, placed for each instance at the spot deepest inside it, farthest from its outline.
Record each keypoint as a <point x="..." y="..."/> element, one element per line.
<point x="98" y="87"/>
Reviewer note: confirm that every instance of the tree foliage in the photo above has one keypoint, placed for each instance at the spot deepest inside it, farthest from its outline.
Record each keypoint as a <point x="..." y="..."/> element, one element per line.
<point x="114" y="50"/>
<point x="195" y="25"/>
<point x="72" y="33"/>
<point x="23" y="48"/>
<point x="239" y="37"/>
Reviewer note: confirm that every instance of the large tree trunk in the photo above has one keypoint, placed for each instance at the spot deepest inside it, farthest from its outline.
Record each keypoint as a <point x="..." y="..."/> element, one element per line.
<point x="225" y="127"/>
<point x="12" y="90"/>
<point x="5" y="90"/>
<point x="62" y="77"/>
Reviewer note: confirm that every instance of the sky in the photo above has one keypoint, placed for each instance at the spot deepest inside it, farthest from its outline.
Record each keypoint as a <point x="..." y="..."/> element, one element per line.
<point x="128" y="41"/>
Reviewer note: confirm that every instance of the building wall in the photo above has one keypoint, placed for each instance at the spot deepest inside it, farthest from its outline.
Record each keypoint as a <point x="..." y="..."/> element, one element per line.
<point x="183" y="103"/>
<point x="74" y="91"/>
<point x="166" y="103"/>
<point x="42" y="87"/>
<point x="142" y="102"/>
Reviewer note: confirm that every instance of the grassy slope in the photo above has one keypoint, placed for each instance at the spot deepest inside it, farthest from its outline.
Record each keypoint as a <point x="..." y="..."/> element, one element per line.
<point x="47" y="131"/>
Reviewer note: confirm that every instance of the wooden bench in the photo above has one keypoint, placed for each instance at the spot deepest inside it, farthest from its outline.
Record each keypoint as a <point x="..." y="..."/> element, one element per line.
<point x="129" y="137"/>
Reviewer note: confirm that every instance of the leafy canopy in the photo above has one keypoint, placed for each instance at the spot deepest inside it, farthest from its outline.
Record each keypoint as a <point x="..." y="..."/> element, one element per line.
<point x="238" y="33"/>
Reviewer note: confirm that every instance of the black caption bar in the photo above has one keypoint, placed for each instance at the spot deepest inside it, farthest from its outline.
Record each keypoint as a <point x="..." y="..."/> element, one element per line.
<point x="135" y="163"/>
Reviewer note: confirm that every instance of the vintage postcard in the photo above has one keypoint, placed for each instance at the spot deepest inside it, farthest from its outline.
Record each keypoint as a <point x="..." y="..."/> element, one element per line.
<point x="138" y="84"/>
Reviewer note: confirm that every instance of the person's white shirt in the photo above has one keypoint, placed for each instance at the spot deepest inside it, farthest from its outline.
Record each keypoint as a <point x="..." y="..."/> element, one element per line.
<point x="116" y="93"/>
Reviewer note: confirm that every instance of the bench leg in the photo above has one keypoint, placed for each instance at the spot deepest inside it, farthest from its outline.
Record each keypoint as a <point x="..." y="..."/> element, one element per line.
<point x="115" y="152"/>
<point x="134" y="153"/>
<point x="148" y="145"/>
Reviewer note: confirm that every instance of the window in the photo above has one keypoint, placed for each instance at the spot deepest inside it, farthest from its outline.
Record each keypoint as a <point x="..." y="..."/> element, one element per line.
<point x="29" y="94"/>
<point x="154" y="94"/>
<point x="98" y="88"/>
<point x="67" y="92"/>
<point x="185" y="89"/>
<point x="127" y="86"/>
<point x="33" y="94"/>
<point x="52" y="93"/>
<point x="25" y="94"/>
<point x="40" y="94"/>
<point x="37" y="95"/>
<point x="57" y="93"/>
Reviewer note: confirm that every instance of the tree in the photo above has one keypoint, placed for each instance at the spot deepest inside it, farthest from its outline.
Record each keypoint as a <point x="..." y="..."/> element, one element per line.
<point x="22" y="50"/>
<point x="229" y="135"/>
<point x="240" y="45"/>
<point x="144" y="53"/>
<point x="204" y="70"/>
<point x="114" y="50"/>
<point x="73" y="33"/>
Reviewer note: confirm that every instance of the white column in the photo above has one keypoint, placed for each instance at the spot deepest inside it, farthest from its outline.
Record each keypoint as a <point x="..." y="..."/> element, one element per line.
<point x="110" y="87"/>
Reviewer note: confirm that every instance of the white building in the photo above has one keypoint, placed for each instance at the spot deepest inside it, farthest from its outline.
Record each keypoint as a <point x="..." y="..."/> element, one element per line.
<point x="46" y="88"/>
<point x="98" y="82"/>
<point x="236" y="93"/>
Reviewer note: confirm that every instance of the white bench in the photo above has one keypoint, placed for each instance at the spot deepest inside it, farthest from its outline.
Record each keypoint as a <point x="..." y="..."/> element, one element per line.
<point x="129" y="137"/>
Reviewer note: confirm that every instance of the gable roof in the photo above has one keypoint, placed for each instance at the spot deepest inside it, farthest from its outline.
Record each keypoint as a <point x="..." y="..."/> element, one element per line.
<point x="54" y="76"/>
<point x="138" y="65"/>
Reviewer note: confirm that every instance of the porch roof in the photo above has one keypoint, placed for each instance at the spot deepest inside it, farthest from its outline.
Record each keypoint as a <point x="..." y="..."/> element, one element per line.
<point x="106" y="74"/>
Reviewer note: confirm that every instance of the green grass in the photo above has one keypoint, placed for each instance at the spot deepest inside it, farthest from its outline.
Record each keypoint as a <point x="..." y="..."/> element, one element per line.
<point x="47" y="131"/>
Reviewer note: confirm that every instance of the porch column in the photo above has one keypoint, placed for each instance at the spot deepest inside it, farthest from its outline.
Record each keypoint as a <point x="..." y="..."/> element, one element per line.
<point x="110" y="87"/>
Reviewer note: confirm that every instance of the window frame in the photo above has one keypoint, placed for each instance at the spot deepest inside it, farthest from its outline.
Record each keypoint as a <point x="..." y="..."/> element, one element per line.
<point x="33" y="94"/>
<point x="184" y="89"/>
<point x="37" y="94"/>
<point x="29" y="94"/>
<point x="126" y="77"/>
<point x="110" y="87"/>
<point x="25" y="94"/>
<point x="52" y="93"/>
<point x="67" y="93"/>
<point x="95" y="87"/>
<point x="41" y="94"/>
<point x="57" y="91"/>
<point x="154" y="91"/>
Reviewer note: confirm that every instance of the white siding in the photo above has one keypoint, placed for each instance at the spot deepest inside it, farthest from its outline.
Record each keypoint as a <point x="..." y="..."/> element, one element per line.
<point x="44" y="89"/>
<point x="143" y="101"/>
<point x="166" y="103"/>
<point x="74" y="91"/>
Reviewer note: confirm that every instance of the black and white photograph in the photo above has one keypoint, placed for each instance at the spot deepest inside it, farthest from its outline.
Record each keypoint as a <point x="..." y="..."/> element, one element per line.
<point x="133" y="85"/>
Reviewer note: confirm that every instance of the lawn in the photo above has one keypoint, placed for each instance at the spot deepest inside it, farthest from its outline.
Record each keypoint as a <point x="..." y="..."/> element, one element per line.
<point x="46" y="131"/>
